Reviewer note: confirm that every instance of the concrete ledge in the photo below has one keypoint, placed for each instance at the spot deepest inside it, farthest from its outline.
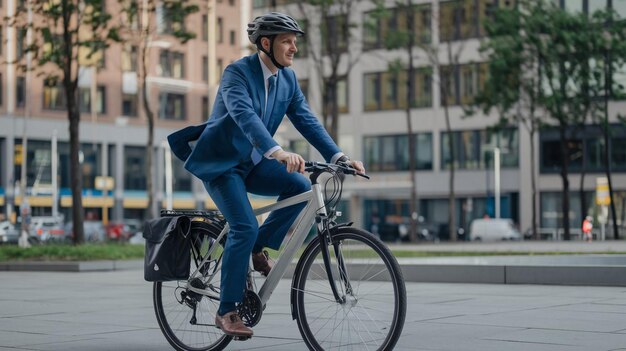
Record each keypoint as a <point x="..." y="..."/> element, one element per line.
<point x="567" y="275"/>
<point x="70" y="266"/>
<point x="449" y="273"/>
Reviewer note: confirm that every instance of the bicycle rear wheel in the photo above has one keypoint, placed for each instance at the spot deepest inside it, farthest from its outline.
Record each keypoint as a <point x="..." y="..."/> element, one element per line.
<point x="187" y="319"/>
<point x="371" y="313"/>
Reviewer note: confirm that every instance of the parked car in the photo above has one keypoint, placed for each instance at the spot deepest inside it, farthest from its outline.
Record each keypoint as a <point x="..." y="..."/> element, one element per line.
<point x="8" y="233"/>
<point x="494" y="229"/>
<point x="47" y="228"/>
<point x="94" y="230"/>
<point x="117" y="231"/>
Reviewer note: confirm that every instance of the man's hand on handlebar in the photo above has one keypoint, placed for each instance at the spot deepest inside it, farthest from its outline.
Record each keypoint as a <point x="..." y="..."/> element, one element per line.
<point x="293" y="161"/>
<point x="358" y="165"/>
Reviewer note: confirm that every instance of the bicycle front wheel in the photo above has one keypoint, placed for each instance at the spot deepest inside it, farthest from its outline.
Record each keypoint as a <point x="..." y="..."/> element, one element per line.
<point x="371" y="309"/>
<point x="186" y="318"/>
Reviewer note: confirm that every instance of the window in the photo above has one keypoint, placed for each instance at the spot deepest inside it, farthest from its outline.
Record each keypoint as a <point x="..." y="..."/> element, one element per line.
<point x="129" y="105"/>
<point x="168" y="22"/>
<point x="459" y="19"/>
<point x="337" y="28"/>
<point x="391" y="152"/>
<point x="220" y="68"/>
<point x="473" y="149"/>
<point x="342" y="95"/>
<point x="304" y="87"/>
<point x="205" y="108"/>
<point x="378" y="28"/>
<point x="220" y="30"/>
<point x="20" y="91"/>
<point x="205" y="68"/>
<point x="129" y="58"/>
<point x="171" y="106"/>
<point x="1" y="36"/>
<point x="53" y="95"/>
<point x="388" y="90"/>
<point x="232" y="38"/>
<point x="1" y="89"/>
<point x="302" y="41"/>
<point x="585" y="147"/>
<point x="134" y="168"/>
<point x="205" y="28"/>
<point x="90" y="166"/>
<point x="231" y="2"/>
<point x="84" y="100"/>
<point x="181" y="178"/>
<point x="172" y="64"/>
<point x="462" y="82"/>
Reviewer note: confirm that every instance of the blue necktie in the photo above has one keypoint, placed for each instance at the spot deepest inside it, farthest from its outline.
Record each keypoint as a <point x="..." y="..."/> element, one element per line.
<point x="269" y="106"/>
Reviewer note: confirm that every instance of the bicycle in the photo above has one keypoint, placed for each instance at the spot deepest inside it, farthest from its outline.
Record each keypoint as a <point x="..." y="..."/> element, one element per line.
<point x="347" y="290"/>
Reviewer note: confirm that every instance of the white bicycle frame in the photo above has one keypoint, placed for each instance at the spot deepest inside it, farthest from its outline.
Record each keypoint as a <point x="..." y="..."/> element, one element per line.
<point x="314" y="206"/>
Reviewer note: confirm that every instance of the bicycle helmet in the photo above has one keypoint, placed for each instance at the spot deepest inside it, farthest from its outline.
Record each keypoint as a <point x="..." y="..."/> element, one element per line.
<point x="270" y="25"/>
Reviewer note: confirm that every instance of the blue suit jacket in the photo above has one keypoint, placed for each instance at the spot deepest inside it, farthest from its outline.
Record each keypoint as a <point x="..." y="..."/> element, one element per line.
<point x="235" y="127"/>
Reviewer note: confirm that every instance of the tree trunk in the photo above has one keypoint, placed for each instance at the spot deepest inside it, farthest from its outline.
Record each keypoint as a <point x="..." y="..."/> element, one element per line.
<point x="533" y="182"/>
<point x="152" y="205"/>
<point x="413" y="206"/>
<point x="73" y="115"/>
<point x="451" y="196"/>
<point x="565" y="180"/>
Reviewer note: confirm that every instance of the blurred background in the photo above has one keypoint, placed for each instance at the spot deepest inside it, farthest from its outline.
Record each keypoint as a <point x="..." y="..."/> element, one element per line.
<point x="415" y="89"/>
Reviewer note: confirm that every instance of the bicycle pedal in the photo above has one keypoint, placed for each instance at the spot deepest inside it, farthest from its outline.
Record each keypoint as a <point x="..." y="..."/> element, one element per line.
<point x="241" y="338"/>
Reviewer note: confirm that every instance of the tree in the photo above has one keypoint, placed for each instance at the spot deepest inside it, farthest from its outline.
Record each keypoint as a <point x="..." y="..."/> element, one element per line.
<point x="332" y="54"/>
<point x="405" y="38"/>
<point x="138" y="30"/>
<point x="65" y="35"/>
<point x="513" y="86"/>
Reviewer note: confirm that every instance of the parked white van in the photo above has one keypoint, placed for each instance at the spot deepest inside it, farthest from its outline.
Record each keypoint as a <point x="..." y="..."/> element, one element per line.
<point x="494" y="229"/>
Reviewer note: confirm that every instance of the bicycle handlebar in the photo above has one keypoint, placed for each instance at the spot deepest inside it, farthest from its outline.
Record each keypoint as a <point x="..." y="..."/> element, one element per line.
<point x="313" y="166"/>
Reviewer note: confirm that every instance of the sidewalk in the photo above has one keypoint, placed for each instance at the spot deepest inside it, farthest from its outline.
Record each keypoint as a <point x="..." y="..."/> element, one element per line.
<point x="112" y="311"/>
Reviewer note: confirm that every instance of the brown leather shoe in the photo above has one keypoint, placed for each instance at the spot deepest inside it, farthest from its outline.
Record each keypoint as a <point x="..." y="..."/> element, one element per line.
<point x="261" y="262"/>
<point x="231" y="324"/>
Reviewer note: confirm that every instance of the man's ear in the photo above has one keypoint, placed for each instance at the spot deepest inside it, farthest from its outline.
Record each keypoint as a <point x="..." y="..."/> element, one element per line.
<point x="265" y="43"/>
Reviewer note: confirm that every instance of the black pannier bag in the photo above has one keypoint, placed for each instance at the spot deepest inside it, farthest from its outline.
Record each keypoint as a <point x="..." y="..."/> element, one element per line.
<point x="168" y="246"/>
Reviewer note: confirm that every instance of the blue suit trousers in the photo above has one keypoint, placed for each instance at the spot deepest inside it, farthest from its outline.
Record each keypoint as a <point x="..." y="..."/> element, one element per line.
<point x="229" y="192"/>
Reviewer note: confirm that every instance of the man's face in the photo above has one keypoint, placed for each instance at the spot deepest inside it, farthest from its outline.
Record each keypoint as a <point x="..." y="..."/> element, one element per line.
<point x="285" y="48"/>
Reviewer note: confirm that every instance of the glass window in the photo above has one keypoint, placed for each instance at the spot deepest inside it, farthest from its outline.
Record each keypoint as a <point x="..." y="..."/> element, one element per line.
<point x="342" y="95"/>
<point x="129" y="58"/>
<point x="389" y="90"/>
<point x="304" y="87"/>
<point x="372" y="153"/>
<point x="447" y="85"/>
<point x="205" y="108"/>
<point x="172" y="64"/>
<point x="21" y="42"/>
<point x="90" y="154"/>
<point x="135" y="168"/>
<point x="129" y="105"/>
<point x="53" y="95"/>
<point x="181" y="178"/>
<point x="220" y="30"/>
<point x="391" y="152"/>
<point x="372" y="91"/>
<point x="168" y="23"/>
<point x="618" y="154"/>
<point x="20" y="92"/>
<point x="205" y="28"/>
<point x="337" y="29"/>
<point x="84" y="100"/>
<point x="233" y="40"/>
<point x="172" y="106"/>
<point x="620" y="7"/>
<point x="574" y="5"/>
<point x="302" y="41"/>
<point x="205" y="68"/>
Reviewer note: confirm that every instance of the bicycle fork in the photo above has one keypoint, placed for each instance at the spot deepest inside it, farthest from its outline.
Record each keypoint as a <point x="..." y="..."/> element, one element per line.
<point x="326" y="240"/>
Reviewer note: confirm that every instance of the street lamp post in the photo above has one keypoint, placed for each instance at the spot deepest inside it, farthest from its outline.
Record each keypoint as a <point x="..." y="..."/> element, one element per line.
<point x="496" y="179"/>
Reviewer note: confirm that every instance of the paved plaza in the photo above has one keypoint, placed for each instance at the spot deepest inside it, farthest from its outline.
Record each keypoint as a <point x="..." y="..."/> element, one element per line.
<point x="113" y="311"/>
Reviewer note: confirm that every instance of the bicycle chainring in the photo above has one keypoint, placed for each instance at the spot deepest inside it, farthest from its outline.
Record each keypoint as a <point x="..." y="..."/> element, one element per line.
<point x="251" y="309"/>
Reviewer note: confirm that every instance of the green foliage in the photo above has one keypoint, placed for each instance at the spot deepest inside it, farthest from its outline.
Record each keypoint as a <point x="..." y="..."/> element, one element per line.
<point x="61" y="252"/>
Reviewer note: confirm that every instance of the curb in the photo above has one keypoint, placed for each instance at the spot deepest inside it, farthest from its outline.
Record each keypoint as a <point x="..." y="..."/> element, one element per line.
<point x="455" y="270"/>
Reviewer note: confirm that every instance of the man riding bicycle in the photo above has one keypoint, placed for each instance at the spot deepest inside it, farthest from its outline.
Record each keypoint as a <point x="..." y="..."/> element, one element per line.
<point x="235" y="154"/>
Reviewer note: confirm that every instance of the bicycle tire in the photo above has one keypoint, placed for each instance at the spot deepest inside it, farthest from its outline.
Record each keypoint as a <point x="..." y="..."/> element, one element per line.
<point x="173" y="316"/>
<point x="311" y="290"/>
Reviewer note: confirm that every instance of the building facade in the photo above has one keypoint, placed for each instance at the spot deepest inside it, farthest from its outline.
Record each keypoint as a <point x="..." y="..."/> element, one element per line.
<point x="373" y="126"/>
<point x="182" y="82"/>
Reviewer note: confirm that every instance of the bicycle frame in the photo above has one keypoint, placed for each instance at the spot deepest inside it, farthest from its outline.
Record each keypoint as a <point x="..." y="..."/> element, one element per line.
<point x="314" y="207"/>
